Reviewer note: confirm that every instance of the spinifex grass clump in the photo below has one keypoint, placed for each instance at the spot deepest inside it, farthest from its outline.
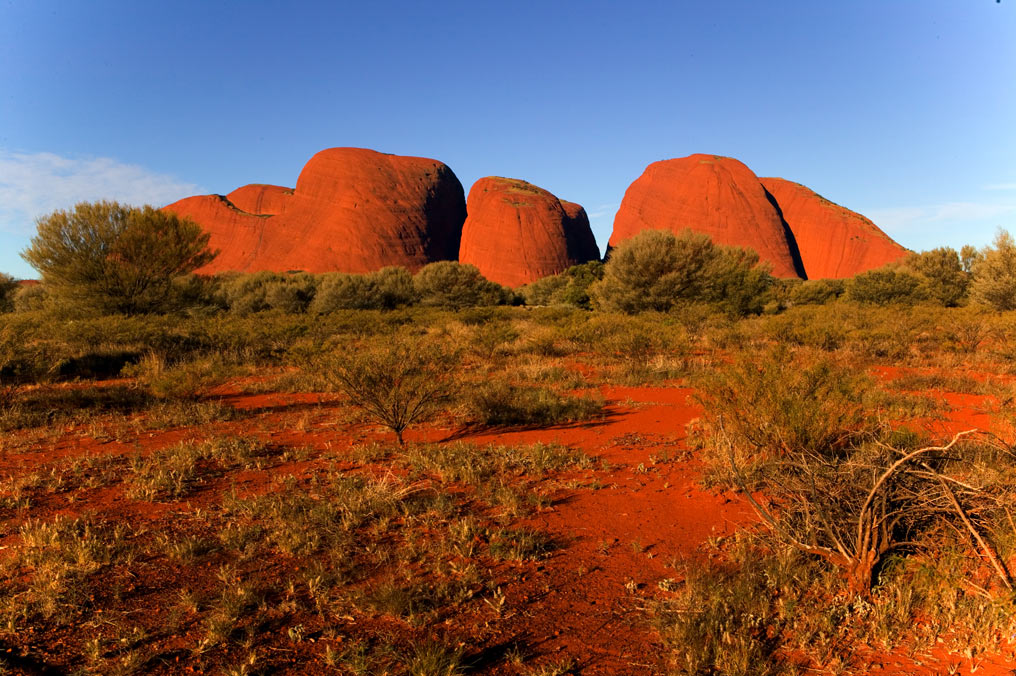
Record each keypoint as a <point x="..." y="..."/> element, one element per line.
<point x="500" y="403"/>
<point x="399" y="383"/>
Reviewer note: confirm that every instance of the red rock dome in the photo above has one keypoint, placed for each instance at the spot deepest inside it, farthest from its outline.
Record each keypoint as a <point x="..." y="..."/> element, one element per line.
<point x="353" y="210"/>
<point x="261" y="199"/>
<point x="718" y="196"/>
<point x="516" y="233"/>
<point x="834" y="242"/>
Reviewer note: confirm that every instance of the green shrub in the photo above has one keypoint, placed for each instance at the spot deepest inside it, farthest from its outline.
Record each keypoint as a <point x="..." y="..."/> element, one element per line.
<point x="399" y="383"/>
<point x="249" y="293"/>
<point x="994" y="274"/>
<point x="656" y="270"/>
<point x="944" y="279"/>
<point x="112" y="258"/>
<point x="456" y="285"/>
<point x="887" y="286"/>
<point x="385" y="289"/>
<point x="8" y="288"/>
<point x="816" y="291"/>
<point x="570" y="287"/>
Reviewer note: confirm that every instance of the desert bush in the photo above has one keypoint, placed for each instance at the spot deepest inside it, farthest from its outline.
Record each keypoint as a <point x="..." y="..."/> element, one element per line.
<point x="8" y="288"/>
<point x="945" y="281"/>
<point x="181" y="380"/>
<point x="114" y="258"/>
<point x="841" y="486"/>
<point x="887" y="286"/>
<point x="249" y="293"/>
<point x="500" y="403"/>
<point x="656" y="270"/>
<point x="385" y="289"/>
<point x="403" y="382"/>
<point x="994" y="274"/>
<point x="30" y="298"/>
<point x="784" y="401"/>
<point x="570" y="287"/>
<point x="816" y="291"/>
<point x="456" y="285"/>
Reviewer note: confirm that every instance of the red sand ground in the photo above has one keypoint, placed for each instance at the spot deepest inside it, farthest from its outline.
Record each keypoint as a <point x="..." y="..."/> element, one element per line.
<point x="649" y="517"/>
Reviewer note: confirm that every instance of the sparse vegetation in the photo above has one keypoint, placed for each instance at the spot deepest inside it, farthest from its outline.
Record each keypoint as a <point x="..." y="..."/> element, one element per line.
<point x="198" y="489"/>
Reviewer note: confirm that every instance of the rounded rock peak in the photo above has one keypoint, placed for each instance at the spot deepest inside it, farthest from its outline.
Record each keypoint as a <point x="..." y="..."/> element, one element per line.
<point x="260" y="198"/>
<point x="334" y="171"/>
<point x="711" y="194"/>
<point x="353" y="210"/>
<point x="834" y="241"/>
<point x="516" y="232"/>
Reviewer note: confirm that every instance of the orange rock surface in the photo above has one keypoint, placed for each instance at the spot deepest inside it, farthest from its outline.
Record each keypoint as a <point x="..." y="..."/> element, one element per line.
<point x="258" y="198"/>
<point x="516" y="233"/>
<point x="353" y="210"/>
<point x="834" y="241"/>
<point x="718" y="196"/>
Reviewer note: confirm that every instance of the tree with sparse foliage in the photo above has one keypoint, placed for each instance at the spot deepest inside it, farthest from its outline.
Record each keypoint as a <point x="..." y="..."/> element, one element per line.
<point x="994" y="282"/>
<point x="110" y="257"/>
<point x="402" y="382"/>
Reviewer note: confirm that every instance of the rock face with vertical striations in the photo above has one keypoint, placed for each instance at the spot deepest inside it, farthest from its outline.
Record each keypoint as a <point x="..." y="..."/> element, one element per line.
<point x="715" y="195"/>
<point x="353" y="210"/>
<point x="516" y="232"/>
<point x="834" y="241"/>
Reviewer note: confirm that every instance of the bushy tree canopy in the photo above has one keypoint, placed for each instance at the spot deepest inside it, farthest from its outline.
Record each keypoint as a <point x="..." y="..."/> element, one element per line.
<point x="115" y="258"/>
<point x="994" y="282"/>
<point x="457" y="285"/>
<point x="656" y="270"/>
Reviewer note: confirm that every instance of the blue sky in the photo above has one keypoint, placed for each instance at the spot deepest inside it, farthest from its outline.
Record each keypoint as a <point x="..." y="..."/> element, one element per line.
<point x="903" y="110"/>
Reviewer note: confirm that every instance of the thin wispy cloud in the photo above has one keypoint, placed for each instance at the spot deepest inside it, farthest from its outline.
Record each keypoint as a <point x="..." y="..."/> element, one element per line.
<point x="1000" y="186"/>
<point x="901" y="218"/>
<point x="34" y="184"/>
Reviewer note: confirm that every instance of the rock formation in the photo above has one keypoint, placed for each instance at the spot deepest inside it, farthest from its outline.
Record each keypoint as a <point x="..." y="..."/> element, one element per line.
<point x="718" y="196"/>
<point x="353" y="210"/>
<point x="834" y="242"/>
<point x="516" y="233"/>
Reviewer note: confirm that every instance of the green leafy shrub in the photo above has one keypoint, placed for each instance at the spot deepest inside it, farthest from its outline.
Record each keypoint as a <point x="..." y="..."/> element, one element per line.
<point x="887" y="286"/>
<point x="816" y="291"/>
<point x="994" y="274"/>
<point x="570" y="287"/>
<point x="385" y="289"/>
<point x="656" y="270"/>
<point x="456" y="285"/>
<point x="945" y="281"/>
<point x="249" y="293"/>
<point x="113" y="258"/>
